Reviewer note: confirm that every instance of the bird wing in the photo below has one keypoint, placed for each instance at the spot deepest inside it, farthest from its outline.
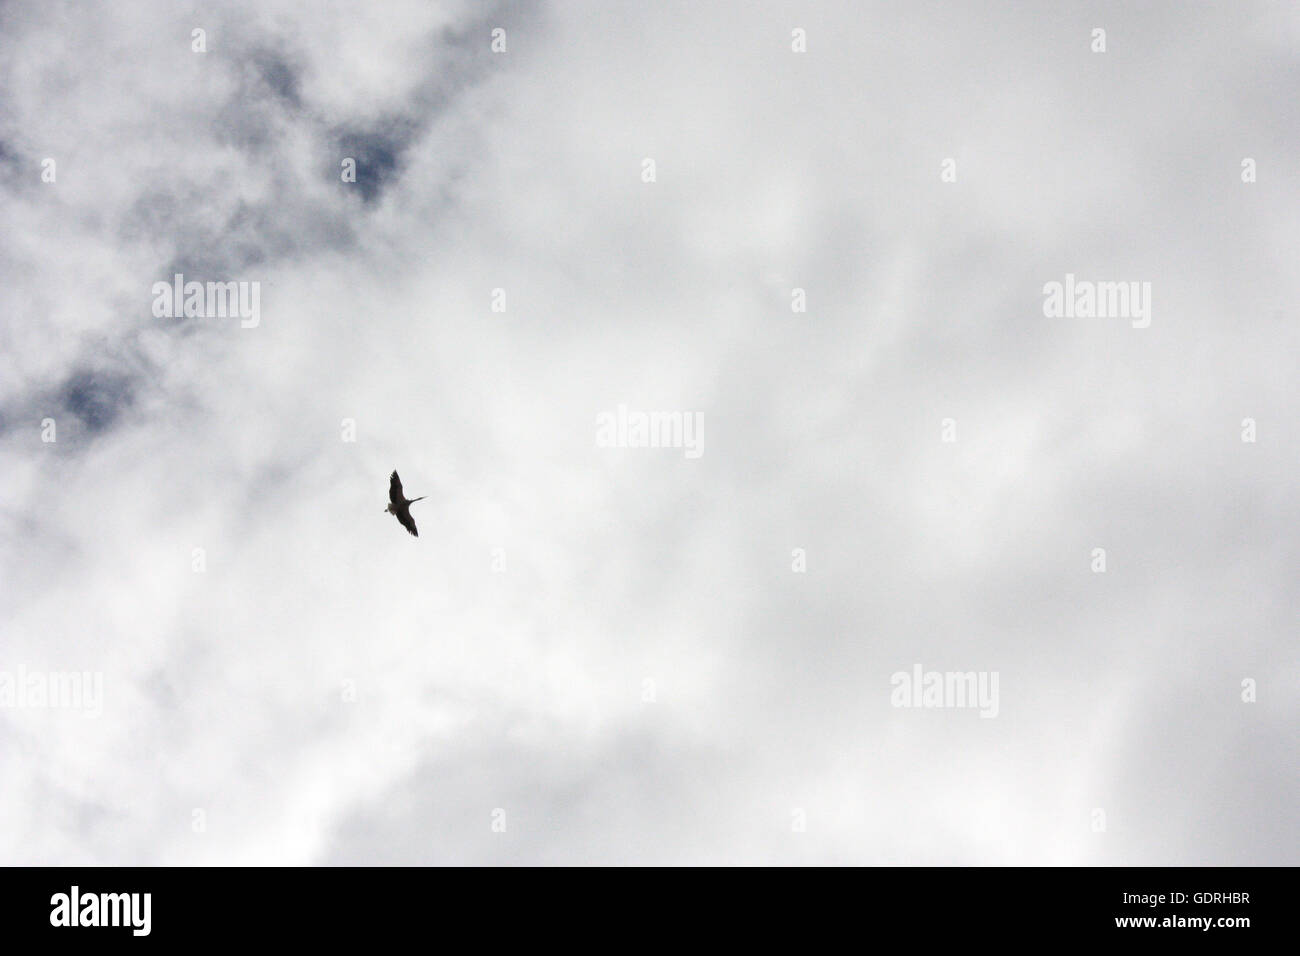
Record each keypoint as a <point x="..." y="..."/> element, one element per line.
<point x="404" y="516"/>
<point x="395" y="489"/>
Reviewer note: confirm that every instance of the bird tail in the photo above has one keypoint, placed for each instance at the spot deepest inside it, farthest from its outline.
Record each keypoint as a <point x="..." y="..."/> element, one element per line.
<point x="414" y="500"/>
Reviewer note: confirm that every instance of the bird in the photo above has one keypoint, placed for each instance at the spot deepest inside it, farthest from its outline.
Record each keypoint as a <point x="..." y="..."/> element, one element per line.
<point x="400" y="506"/>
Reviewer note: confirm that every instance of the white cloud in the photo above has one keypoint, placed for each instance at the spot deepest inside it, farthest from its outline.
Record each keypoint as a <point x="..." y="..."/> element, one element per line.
<point x="523" y="690"/>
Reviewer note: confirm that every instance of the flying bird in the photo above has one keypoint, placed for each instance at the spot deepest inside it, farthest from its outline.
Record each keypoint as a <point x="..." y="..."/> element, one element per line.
<point x="400" y="506"/>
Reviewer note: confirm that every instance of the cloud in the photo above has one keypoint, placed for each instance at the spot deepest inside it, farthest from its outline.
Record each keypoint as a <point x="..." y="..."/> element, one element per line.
<point x="611" y="644"/>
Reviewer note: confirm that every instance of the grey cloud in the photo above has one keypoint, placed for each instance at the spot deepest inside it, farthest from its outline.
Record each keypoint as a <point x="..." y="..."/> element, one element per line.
<point x="95" y="399"/>
<point x="377" y="151"/>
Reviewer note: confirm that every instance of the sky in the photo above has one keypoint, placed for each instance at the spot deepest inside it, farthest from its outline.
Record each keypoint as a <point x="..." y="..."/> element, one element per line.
<point x="824" y="233"/>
